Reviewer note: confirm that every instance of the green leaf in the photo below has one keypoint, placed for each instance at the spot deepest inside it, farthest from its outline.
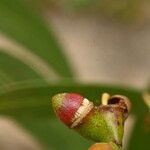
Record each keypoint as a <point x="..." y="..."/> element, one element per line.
<point x="15" y="69"/>
<point x="22" y="25"/>
<point x="32" y="108"/>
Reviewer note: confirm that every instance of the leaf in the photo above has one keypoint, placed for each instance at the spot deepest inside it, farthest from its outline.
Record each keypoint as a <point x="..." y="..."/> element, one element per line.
<point x="32" y="108"/>
<point x="25" y="27"/>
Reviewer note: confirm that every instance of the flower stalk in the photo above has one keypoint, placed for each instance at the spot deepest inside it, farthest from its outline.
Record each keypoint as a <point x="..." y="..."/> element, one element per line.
<point x="103" y="123"/>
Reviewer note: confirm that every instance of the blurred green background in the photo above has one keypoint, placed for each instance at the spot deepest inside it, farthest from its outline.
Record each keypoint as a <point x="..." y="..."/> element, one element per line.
<point x="83" y="46"/>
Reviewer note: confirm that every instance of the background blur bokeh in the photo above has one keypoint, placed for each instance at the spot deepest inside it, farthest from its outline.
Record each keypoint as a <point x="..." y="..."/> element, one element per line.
<point x="83" y="46"/>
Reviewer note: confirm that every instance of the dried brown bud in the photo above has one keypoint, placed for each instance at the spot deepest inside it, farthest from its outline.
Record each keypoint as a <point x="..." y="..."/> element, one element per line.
<point x="121" y="101"/>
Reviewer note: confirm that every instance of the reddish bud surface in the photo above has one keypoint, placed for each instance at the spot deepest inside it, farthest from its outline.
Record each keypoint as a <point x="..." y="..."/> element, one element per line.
<point x="66" y="105"/>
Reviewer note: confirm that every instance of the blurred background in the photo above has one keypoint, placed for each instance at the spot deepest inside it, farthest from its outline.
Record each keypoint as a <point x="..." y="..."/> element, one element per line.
<point x="83" y="46"/>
